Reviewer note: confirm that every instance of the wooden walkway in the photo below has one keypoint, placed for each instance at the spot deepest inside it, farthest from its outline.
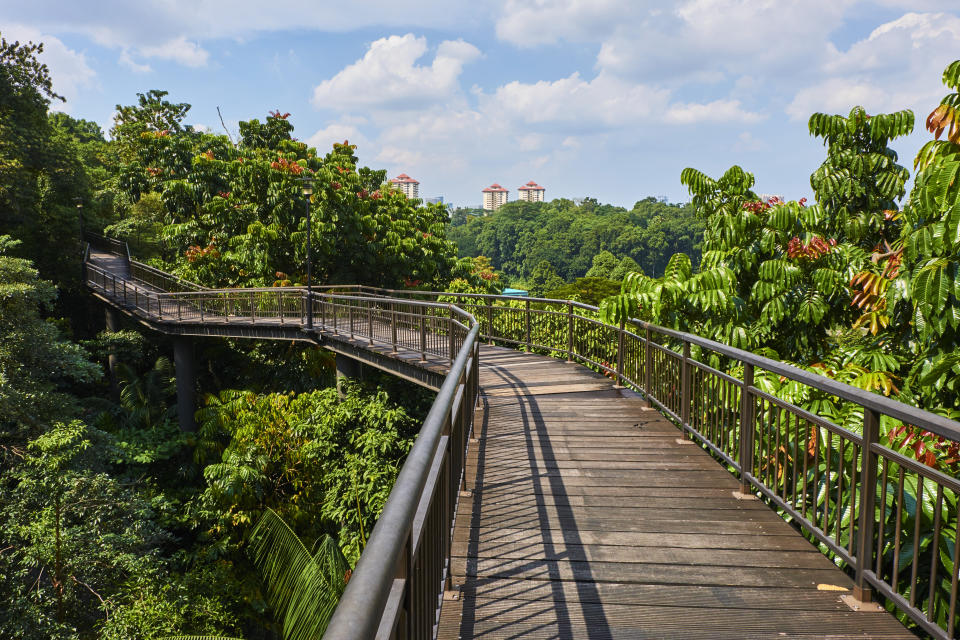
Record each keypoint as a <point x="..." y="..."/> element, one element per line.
<point x="586" y="515"/>
<point x="589" y="517"/>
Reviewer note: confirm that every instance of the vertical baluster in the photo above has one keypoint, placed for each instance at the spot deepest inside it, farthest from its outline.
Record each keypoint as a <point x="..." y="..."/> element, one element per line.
<point x="686" y="397"/>
<point x="450" y="332"/>
<point x="647" y="367"/>
<point x="393" y="326"/>
<point x="527" y="316"/>
<point x="621" y="334"/>
<point x="917" y="518"/>
<point x="490" y="320"/>
<point x="423" y="335"/>
<point x="369" y="323"/>
<point x="747" y="430"/>
<point x="895" y="575"/>
<point x="569" y="331"/>
<point x="935" y="554"/>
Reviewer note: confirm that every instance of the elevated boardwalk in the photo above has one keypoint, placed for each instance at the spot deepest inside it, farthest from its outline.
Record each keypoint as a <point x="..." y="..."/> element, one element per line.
<point x="580" y="512"/>
<point x="590" y="517"/>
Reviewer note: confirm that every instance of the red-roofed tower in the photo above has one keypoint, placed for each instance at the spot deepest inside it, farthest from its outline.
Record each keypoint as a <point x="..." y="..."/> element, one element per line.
<point x="531" y="192"/>
<point x="494" y="197"/>
<point x="407" y="185"/>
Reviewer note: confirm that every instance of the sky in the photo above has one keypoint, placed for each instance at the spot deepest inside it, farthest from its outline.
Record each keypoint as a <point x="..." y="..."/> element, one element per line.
<point x="609" y="99"/>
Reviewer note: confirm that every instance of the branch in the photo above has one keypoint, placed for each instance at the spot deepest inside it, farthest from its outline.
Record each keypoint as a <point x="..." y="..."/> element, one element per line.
<point x="225" y="127"/>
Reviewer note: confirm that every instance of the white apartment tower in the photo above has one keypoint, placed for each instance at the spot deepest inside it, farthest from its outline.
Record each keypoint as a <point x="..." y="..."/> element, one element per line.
<point x="494" y="197"/>
<point x="407" y="185"/>
<point x="531" y="192"/>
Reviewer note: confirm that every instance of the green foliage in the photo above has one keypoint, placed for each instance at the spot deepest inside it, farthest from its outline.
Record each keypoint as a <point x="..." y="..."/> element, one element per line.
<point x="310" y="457"/>
<point x="585" y="290"/>
<point x="520" y="235"/>
<point x="926" y="290"/>
<point x="303" y="586"/>
<point x="475" y="275"/>
<point x="860" y="179"/>
<point x="603" y="265"/>
<point x="72" y="534"/>
<point x="236" y="216"/>
<point x="41" y="176"/>
<point x="544" y="278"/>
<point x="36" y="363"/>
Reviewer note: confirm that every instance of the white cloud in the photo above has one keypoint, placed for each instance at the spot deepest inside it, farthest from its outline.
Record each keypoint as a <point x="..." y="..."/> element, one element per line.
<point x="68" y="68"/>
<point x="152" y="23"/>
<point x="716" y="111"/>
<point x="127" y="60"/>
<point x="180" y="50"/>
<point x="746" y="141"/>
<point x="528" y="23"/>
<point x="388" y="75"/>
<point x="324" y="138"/>
<point x="897" y="66"/>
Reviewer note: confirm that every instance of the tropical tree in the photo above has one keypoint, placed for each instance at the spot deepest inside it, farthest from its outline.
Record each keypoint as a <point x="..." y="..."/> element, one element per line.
<point x="922" y="282"/>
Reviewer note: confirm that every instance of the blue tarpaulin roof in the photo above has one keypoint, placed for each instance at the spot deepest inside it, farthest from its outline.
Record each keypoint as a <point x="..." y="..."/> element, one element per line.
<point x="514" y="292"/>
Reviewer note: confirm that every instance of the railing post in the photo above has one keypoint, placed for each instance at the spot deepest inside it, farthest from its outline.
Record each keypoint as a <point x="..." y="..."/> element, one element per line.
<point x="350" y="307"/>
<point x="200" y="304"/>
<point x="648" y="367"/>
<point x="621" y="335"/>
<point x="686" y="395"/>
<point x="369" y="323"/>
<point x="226" y="308"/>
<point x="450" y="321"/>
<point x="527" y="316"/>
<point x="179" y="311"/>
<point x="280" y="305"/>
<point x="490" y="320"/>
<point x="393" y="326"/>
<point x="253" y="308"/>
<point x="423" y="336"/>
<point x="569" y="331"/>
<point x="868" y="498"/>
<point x="747" y="430"/>
<point x="323" y="315"/>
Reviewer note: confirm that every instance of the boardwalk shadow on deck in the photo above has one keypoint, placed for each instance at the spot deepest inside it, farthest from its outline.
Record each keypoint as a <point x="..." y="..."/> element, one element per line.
<point x="557" y="607"/>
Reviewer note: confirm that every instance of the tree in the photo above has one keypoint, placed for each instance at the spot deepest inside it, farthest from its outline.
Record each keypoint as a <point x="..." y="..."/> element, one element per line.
<point x="627" y="265"/>
<point x="40" y="178"/>
<point x="544" y="278"/>
<point x="36" y="363"/>
<point x="923" y="284"/>
<point x="236" y="215"/>
<point x="603" y="265"/>
<point x="860" y="180"/>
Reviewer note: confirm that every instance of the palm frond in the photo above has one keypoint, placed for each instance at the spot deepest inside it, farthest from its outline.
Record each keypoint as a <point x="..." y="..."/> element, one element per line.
<point x="302" y="588"/>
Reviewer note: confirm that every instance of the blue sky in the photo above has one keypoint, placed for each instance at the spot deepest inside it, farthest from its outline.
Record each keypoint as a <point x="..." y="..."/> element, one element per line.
<point x="602" y="98"/>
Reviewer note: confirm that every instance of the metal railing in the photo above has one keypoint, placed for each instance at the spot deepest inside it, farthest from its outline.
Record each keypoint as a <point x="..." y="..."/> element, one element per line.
<point x="891" y="519"/>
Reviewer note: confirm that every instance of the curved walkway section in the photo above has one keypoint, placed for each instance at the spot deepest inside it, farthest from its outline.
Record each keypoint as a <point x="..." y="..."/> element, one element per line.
<point x="587" y="515"/>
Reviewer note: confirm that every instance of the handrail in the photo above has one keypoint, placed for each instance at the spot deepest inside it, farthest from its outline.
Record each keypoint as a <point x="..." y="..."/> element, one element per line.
<point x="391" y="555"/>
<point x="849" y="489"/>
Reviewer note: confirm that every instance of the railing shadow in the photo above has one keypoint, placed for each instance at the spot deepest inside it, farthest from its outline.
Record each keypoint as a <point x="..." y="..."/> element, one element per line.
<point x="568" y="550"/>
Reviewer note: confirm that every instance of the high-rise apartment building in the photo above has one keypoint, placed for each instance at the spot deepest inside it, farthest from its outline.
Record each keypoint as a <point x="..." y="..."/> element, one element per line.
<point x="531" y="192"/>
<point x="407" y="185"/>
<point x="494" y="197"/>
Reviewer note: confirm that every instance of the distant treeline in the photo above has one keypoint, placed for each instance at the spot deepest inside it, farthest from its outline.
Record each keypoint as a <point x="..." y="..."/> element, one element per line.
<point x="568" y="234"/>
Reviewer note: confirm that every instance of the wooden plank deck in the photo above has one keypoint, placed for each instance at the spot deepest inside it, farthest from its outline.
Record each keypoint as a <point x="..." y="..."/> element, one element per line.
<point x="590" y="517"/>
